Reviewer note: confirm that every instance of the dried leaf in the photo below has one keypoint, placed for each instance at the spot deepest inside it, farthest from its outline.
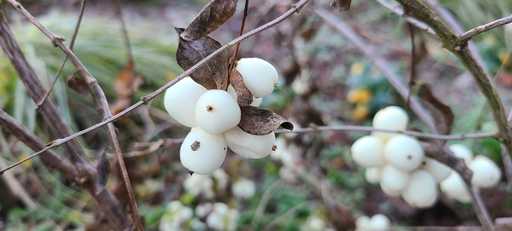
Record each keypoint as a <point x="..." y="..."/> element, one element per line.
<point x="103" y="168"/>
<point x="126" y="84"/>
<point x="214" y="73"/>
<point x="213" y="15"/>
<point x="76" y="82"/>
<point x="441" y="112"/>
<point x="258" y="121"/>
<point x="341" y="4"/>
<point x="244" y="96"/>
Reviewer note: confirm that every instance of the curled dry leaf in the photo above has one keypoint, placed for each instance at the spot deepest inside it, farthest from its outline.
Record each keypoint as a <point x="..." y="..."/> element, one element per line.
<point x="259" y="121"/>
<point x="126" y="84"/>
<point x="341" y="4"/>
<point x="441" y="112"/>
<point x="244" y="96"/>
<point x="213" y="15"/>
<point x="213" y="74"/>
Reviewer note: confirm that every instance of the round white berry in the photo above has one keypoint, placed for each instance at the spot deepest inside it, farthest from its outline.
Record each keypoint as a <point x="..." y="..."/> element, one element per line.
<point x="463" y="152"/>
<point x="393" y="180"/>
<point x="249" y="145"/>
<point x="379" y="222"/>
<point x="421" y="191"/>
<point x="437" y="169"/>
<point x="367" y="151"/>
<point x="390" y="118"/>
<point x="216" y="111"/>
<point x="259" y="76"/>
<point x="455" y="188"/>
<point x="373" y="175"/>
<point x="363" y="223"/>
<point x="180" y="100"/>
<point x="202" y="152"/>
<point x="404" y="152"/>
<point x="486" y="173"/>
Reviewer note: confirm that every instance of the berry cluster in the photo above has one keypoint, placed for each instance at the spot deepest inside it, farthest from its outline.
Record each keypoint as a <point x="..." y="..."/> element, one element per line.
<point x="398" y="163"/>
<point x="378" y="222"/>
<point x="214" y="115"/>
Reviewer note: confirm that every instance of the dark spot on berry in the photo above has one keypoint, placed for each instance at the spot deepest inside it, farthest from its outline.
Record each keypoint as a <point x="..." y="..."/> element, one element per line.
<point x="409" y="157"/>
<point x="195" y="145"/>
<point x="190" y="172"/>
<point x="274" y="147"/>
<point x="209" y="108"/>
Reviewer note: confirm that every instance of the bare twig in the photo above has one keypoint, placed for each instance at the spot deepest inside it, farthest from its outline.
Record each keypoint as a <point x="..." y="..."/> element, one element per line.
<point x="397" y="9"/>
<point x="124" y="30"/>
<point x="483" y="28"/>
<point x="431" y="136"/>
<point x="147" y="98"/>
<point x="71" y="46"/>
<point x="100" y="100"/>
<point x="412" y="72"/>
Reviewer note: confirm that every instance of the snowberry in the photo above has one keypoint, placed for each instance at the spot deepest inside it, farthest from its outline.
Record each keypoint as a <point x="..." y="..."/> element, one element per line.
<point x="373" y="175"/>
<point x="437" y="169"/>
<point x="379" y="222"/>
<point x="248" y="145"/>
<point x="461" y="151"/>
<point x="363" y="223"/>
<point x="216" y="111"/>
<point x="197" y="184"/>
<point x="421" y="191"/>
<point x="391" y="118"/>
<point x="259" y="76"/>
<point x="486" y="173"/>
<point x="393" y="180"/>
<point x="455" y="188"/>
<point x="180" y="100"/>
<point x="202" y="152"/>
<point x="404" y="152"/>
<point x="243" y="188"/>
<point x="367" y="151"/>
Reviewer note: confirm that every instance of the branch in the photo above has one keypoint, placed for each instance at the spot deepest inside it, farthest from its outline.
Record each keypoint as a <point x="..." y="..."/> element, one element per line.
<point x="100" y="100"/>
<point x="398" y="10"/>
<point x="483" y="28"/>
<point x="147" y="98"/>
<point x="124" y="31"/>
<point x="86" y="173"/>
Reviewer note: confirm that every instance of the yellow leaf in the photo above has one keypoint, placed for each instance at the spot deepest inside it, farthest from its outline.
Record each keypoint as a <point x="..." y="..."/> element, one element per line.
<point x="360" y="96"/>
<point x="360" y="112"/>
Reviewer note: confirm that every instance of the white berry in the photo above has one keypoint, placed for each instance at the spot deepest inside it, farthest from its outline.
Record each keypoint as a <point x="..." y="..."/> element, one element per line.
<point x="259" y="76"/>
<point x="455" y="188"/>
<point x="393" y="180"/>
<point x="421" y="191"/>
<point x="249" y="145"/>
<point x="404" y="152"/>
<point x="363" y="223"/>
<point x="390" y="118"/>
<point x="180" y="100"/>
<point x="216" y="111"/>
<point x="486" y="173"/>
<point x="463" y="152"/>
<point x="437" y="169"/>
<point x="379" y="222"/>
<point x="367" y="151"/>
<point x="202" y="152"/>
<point x="373" y="175"/>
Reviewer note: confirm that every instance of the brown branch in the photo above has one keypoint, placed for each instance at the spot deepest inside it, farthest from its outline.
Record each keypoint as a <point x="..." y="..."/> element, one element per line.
<point x="398" y="10"/>
<point x="71" y="46"/>
<point x="147" y="98"/>
<point x="483" y="28"/>
<point x="57" y="126"/>
<point x="100" y="100"/>
<point x="124" y="30"/>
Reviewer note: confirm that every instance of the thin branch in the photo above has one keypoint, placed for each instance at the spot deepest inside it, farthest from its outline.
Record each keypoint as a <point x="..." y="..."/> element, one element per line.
<point x="431" y="136"/>
<point x="483" y="28"/>
<point x="124" y="30"/>
<point x="412" y="63"/>
<point x="147" y="98"/>
<point x="101" y="104"/>
<point x="398" y="10"/>
<point x="71" y="46"/>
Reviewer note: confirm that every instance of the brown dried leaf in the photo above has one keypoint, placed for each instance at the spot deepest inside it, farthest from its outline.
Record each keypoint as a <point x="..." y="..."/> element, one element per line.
<point x="76" y="82"/>
<point x="258" y="121"/>
<point x="127" y="82"/>
<point x="244" y="96"/>
<point x="214" y="73"/>
<point x="213" y="15"/>
<point x="441" y="112"/>
<point x="341" y="4"/>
